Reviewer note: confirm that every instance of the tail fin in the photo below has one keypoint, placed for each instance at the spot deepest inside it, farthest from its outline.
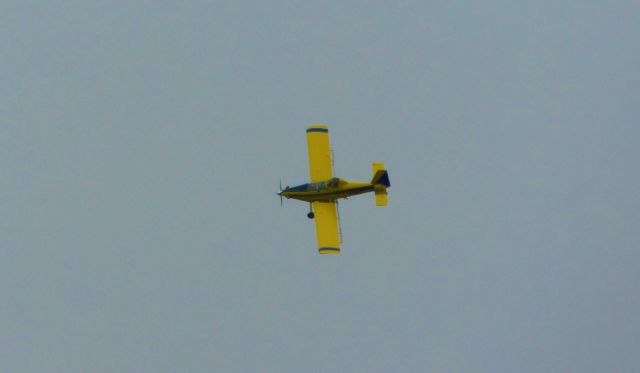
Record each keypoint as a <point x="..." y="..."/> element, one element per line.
<point x="380" y="183"/>
<point x="380" y="175"/>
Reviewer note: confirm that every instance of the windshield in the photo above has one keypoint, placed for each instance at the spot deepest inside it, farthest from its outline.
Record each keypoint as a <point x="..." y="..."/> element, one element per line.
<point x="331" y="183"/>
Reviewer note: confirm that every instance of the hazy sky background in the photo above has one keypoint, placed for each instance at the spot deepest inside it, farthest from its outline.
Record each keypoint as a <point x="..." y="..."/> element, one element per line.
<point x="141" y="144"/>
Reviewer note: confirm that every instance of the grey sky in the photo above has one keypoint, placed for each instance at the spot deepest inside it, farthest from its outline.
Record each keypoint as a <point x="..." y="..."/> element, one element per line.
<point x="141" y="146"/>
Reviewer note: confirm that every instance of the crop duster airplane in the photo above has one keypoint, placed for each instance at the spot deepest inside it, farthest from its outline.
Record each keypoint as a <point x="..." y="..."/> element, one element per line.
<point x="324" y="190"/>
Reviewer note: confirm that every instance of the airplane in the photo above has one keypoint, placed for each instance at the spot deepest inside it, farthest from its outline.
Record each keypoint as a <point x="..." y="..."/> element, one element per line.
<point x="324" y="190"/>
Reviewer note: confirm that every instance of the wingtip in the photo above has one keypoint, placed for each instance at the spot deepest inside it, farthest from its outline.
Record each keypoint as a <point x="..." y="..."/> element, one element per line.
<point x="318" y="128"/>
<point x="329" y="250"/>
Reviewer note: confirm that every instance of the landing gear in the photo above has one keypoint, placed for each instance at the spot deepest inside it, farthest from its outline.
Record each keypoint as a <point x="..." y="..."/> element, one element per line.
<point x="310" y="215"/>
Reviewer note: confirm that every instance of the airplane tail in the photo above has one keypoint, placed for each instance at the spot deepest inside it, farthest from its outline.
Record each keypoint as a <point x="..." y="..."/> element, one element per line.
<point x="380" y="183"/>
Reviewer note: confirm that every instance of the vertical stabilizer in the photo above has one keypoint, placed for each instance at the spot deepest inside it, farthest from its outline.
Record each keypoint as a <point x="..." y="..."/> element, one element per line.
<point x="380" y="183"/>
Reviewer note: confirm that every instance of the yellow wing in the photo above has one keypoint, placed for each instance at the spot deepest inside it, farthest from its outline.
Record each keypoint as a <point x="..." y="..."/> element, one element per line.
<point x="319" y="153"/>
<point x="327" y="229"/>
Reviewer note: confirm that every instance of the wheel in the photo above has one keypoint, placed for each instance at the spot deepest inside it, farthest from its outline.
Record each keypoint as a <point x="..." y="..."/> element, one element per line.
<point x="310" y="215"/>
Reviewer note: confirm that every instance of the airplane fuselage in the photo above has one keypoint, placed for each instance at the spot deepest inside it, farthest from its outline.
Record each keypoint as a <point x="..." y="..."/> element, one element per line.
<point x="328" y="190"/>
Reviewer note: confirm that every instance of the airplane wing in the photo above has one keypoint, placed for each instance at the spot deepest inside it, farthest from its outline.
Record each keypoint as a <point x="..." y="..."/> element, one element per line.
<point x="319" y="153"/>
<point x="327" y="228"/>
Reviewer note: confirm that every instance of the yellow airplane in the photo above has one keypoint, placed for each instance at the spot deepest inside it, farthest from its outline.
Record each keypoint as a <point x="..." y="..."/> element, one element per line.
<point x="324" y="190"/>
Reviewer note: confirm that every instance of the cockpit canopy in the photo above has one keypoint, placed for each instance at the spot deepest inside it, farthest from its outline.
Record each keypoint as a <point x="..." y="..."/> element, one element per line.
<point x="331" y="183"/>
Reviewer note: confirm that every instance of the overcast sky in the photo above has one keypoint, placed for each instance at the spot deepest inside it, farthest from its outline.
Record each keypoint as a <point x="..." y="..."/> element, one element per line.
<point x="141" y="144"/>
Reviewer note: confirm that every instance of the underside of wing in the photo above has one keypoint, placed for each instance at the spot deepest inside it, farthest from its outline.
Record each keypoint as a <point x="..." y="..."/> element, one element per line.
<point x="327" y="227"/>
<point x="319" y="153"/>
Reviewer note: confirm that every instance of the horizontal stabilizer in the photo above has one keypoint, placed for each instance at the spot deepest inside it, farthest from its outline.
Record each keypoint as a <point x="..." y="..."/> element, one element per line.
<point x="381" y="196"/>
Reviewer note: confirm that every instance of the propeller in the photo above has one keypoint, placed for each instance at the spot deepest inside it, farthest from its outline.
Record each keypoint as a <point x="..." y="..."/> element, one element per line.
<point x="282" y="190"/>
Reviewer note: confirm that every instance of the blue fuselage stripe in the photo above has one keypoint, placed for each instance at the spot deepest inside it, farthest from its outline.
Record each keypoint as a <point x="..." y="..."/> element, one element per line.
<point x="323" y="193"/>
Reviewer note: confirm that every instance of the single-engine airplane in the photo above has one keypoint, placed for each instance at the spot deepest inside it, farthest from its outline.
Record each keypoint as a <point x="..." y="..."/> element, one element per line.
<point x="324" y="190"/>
